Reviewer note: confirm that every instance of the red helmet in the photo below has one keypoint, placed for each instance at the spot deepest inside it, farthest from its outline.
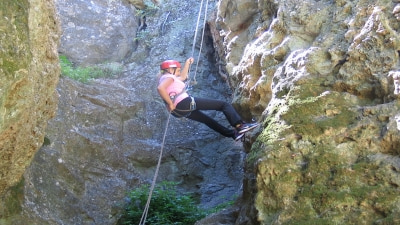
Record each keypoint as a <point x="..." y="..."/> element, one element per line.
<point x="170" y="64"/>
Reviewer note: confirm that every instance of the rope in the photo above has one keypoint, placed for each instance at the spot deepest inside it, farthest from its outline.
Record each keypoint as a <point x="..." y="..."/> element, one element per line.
<point x="197" y="27"/>
<point x="146" y="208"/>
<point x="201" y="43"/>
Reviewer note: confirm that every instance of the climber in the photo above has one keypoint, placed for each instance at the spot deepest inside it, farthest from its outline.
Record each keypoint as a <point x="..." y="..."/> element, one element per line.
<point x="171" y="88"/>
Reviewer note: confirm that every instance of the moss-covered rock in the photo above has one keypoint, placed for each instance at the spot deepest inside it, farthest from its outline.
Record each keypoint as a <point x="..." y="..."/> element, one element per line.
<point x="29" y="73"/>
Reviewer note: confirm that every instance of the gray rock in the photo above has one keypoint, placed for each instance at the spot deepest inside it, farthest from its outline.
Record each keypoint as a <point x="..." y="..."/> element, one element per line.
<point x="97" y="31"/>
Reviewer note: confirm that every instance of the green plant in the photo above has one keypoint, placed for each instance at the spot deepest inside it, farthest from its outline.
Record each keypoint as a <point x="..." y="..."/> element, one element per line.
<point x="84" y="74"/>
<point x="222" y="206"/>
<point x="150" y="9"/>
<point x="166" y="207"/>
<point x="144" y="37"/>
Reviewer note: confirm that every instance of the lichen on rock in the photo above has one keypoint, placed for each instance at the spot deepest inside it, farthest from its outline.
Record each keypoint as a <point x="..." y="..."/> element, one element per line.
<point x="321" y="76"/>
<point x="30" y="70"/>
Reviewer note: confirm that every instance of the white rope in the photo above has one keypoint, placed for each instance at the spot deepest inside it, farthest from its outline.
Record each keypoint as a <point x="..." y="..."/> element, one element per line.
<point x="146" y="209"/>
<point x="197" y="27"/>
<point x="194" y="41"/>
<point x="201" y="43"/>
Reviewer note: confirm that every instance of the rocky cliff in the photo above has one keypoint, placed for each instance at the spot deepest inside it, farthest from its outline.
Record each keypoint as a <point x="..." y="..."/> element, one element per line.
<point x="106" y="137"/>
<point x="320" y="76"/>
<point x="29" y="73"/>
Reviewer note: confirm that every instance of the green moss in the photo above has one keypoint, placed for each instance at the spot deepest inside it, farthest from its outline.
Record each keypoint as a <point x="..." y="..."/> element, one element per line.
<point x="46" y="141"/>
<point x="274" y="129"/>
<point x="312" y="180"/>
<point x="309" y="115"/>
<point x="330" y="190"/>
<point x="308" y="221"/>
<point x="305" y="112"/>
<point x="13" y="200"/>
<point x="325" y="189"/>
<point x="14" y="52"/>
<point x="85" y="74"/>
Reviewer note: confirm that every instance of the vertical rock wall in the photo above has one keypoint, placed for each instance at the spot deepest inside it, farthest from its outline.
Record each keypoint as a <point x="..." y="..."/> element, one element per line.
<point x="98" y="31"/>
<point x="106" y="137"/>
<point x="321" y="77"/>
<point x="29" y="73"/>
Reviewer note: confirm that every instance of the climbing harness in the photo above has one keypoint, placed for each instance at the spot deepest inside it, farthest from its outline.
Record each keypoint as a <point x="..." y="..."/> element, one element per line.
<point x="191" y="108"/>
<point x="187" y="112"/>
<point x="178" y="112"/>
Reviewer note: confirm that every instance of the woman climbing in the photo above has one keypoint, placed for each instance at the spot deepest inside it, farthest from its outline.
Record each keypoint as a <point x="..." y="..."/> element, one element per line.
<point x="171" y="88"/>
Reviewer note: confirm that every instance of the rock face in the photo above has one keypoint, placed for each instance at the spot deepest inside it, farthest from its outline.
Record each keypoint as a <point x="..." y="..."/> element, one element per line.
<point x="319" y="74"/>
<point x="108" y="143"/>
<point x="29" y="73"/>
<point x="106" y="137"/>
<point x="97" y="31"/>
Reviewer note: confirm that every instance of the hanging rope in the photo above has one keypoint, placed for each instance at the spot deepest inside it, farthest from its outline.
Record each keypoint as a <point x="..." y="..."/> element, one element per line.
<point x="146" y="208"/>
<point x="189" y="82"/>
<point x="197" y="28"/>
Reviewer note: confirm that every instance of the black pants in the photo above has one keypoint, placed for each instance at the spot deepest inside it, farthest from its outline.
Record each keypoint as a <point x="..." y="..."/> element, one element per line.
<point x="183" y="110"/>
